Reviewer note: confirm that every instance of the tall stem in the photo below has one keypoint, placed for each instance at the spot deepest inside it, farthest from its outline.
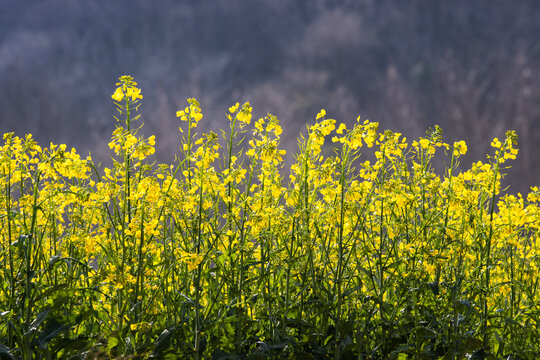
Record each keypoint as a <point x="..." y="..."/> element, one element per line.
<point x="342" y="182"/>
<point x="488" y="254"/>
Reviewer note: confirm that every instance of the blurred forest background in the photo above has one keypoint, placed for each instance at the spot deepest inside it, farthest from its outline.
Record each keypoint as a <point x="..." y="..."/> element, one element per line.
<point x="472" y="67"/>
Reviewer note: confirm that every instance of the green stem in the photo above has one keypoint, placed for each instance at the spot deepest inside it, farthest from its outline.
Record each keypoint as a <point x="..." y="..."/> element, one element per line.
<point x="488" y="254"/>
<point x="342" y="181"/>
<point x="197" y="285"/>
<point x="10" y="252"/>
<point x="139" y="288"/>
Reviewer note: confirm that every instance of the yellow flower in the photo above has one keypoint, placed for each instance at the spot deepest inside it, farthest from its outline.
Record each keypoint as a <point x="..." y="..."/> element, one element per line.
<point x="182" y="115"/>
<point x="460" y="148"/>
<point x="496" y="143"/>
<point x="142" y="326"/>
<point x="233" y="109"/>
<point x="341" y="128"/>
<point x="134" y="92"/>
<point x="192" y="260"/>
<point x="118" y="94"/>
<point x="321" y="114"/>
<point x="424" y="143"/>
<point x="197" y="116"/>
<point x="245" y="114"/>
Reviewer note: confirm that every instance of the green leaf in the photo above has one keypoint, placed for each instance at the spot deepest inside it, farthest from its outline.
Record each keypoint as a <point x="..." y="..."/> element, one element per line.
<point x="478" y="355"/>
<point x="50" y="291"/>
<point x="401" y="352"/>
<point x="434" y="286"/>
<point x="78" y="344"/>
<point x="38" y="320"/>
<point x="52" y="329"/>
<point x="113" y="342"/>
<point x="163" y="341"/>
<point x="498" y="344"/>
<point x="253" y="356"/>
<point x="5" y="354"/>
<point x="53" y="260"/>
<point x="222" y="355"/>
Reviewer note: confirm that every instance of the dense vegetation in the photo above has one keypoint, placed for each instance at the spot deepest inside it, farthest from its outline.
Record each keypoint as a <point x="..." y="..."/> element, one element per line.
<point x="219" y="255"/>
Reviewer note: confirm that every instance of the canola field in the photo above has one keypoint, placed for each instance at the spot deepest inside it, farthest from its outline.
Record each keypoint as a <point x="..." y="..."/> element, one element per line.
<point x="358" y="250"/>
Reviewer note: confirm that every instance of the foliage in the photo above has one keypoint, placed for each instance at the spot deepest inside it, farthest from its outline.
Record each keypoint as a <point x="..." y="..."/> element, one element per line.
<point x="220" y="256"/>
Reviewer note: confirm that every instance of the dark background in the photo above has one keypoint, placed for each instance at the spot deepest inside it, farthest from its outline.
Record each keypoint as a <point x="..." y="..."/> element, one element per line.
<point x="471" y="67"/>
